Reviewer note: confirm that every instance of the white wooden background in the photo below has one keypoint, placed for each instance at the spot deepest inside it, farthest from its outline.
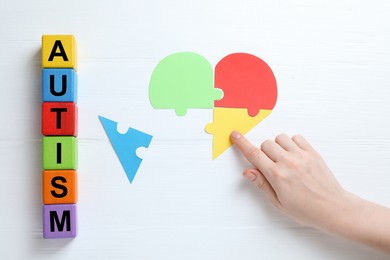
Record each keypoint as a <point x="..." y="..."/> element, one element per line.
<point x="331" y="59"/>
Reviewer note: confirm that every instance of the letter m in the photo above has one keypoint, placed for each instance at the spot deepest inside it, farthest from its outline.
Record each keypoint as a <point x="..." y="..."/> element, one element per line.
<point x="55" y="221"/>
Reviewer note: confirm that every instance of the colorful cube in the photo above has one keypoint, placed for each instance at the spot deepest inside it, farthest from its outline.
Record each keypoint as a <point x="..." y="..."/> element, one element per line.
<point x="59" y="153"/>
<point x="59" y="85"/>
<point x="59" y="186"/>
<point x="59" y="51"/>
<point x="59" y="221"/>
<point x="59" y="118"/>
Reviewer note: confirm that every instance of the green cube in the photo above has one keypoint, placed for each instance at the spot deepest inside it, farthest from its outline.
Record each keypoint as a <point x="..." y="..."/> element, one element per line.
<point x="59" y="153"/>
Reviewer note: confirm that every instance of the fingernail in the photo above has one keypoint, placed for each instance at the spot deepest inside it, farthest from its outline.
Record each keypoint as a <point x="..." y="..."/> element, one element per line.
<point x="250" y="176"/>
<point x="235" y="135"/>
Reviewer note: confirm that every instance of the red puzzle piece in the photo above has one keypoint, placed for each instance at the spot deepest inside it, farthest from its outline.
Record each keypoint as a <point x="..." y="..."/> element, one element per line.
<point x="59" y="118"/>
<point x="247" y="82"/>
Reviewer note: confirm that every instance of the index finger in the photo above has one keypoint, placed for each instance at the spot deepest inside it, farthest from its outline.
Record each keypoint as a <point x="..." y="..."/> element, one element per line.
<point x="252" y="153"/>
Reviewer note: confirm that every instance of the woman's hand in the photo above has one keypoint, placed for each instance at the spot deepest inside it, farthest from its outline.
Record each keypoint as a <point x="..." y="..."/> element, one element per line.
<point x="298" y="182"/>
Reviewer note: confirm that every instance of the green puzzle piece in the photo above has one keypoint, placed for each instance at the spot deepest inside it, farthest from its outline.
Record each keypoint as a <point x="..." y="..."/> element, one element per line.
<point x="181" y="81"/>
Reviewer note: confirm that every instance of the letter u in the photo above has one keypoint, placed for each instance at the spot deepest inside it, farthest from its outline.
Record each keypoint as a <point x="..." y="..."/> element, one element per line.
<point x="63" y="87"/>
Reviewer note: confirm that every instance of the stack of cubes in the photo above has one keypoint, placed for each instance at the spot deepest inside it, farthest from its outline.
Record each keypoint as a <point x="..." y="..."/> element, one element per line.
<point x="59" y="142"/>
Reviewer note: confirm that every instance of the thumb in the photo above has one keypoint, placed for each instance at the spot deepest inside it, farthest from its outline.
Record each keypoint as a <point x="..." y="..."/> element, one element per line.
<point x="258" y="179"/>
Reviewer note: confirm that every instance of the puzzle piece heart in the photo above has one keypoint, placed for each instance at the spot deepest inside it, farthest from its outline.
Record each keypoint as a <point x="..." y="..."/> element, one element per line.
<point x="183" y="80"/>
<point x="125" y="145"/>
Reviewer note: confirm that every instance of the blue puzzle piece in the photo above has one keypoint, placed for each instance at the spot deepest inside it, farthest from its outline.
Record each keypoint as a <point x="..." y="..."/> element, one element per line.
<point x="125" y="145"/>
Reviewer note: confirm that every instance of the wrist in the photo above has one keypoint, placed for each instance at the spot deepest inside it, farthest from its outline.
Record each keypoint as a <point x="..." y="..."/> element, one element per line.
<point x="342" y="210"/>
<point x="362" y="221"/>
<point x="350" y="218"/>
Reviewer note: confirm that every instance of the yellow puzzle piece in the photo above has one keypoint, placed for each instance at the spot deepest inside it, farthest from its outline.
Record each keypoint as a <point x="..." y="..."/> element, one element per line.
<point x="228" y="119"/>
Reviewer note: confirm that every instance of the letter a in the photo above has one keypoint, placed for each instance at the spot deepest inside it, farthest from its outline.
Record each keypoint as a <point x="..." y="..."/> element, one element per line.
<point x="58" y="44"/>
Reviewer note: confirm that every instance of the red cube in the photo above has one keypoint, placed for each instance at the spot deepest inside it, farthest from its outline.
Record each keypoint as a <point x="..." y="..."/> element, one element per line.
<point x="59" y="118"/>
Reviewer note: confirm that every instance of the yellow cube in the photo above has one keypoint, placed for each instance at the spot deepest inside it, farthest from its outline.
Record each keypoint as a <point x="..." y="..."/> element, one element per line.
<point x="59" y="51"/>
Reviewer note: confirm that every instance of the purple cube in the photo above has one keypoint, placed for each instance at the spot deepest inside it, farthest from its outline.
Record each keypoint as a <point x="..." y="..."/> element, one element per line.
<point x="59" y="221"/>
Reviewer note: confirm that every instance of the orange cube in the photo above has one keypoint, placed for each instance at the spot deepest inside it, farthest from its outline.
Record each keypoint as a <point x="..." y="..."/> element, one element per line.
<point x="59" y="186"/>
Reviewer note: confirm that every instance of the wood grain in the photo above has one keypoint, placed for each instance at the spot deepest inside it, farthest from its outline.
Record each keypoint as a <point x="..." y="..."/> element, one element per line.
<point x="331" y="60"/>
